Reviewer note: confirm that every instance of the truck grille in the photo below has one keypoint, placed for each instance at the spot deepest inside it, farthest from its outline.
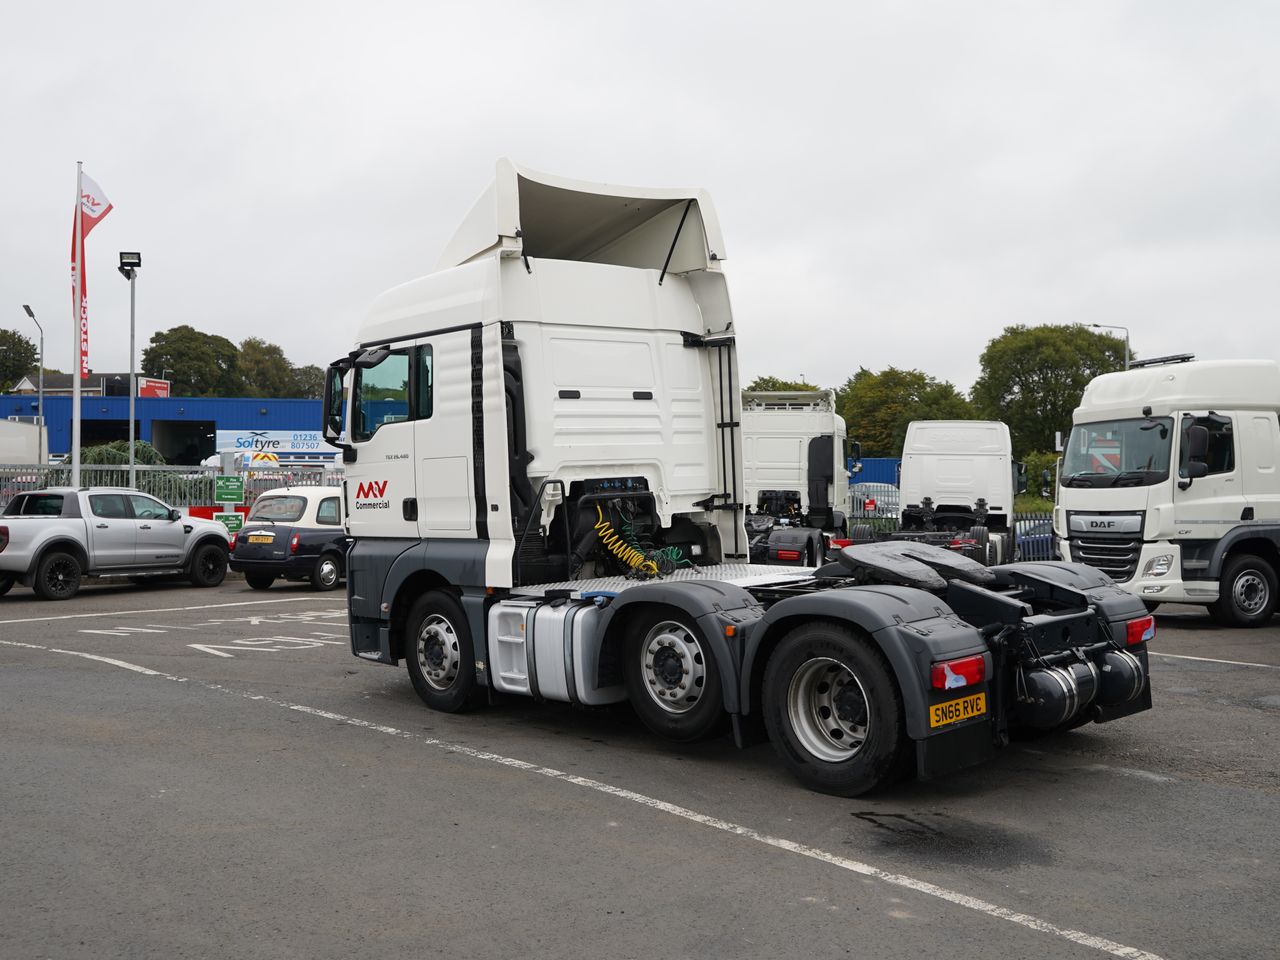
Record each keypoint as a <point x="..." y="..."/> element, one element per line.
<point x="1118" y="559"/>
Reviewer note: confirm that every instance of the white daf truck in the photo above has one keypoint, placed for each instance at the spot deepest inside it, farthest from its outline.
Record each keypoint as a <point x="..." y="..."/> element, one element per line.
<point x="543" y="453"/>
<point x="794" y="470"/>
<point x="1170" y="484"/>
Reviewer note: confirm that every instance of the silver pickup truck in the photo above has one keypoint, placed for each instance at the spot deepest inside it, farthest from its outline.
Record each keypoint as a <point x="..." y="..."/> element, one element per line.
<point x="50" y="540"/>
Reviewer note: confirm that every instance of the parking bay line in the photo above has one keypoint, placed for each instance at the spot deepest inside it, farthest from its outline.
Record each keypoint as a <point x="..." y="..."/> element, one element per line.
<point x="778" y="843"/>
<point x="1234" y="663"/>
<point x="130" y="613"/>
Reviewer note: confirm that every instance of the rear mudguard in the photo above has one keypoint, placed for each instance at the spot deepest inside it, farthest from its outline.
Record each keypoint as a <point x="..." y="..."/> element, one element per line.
<point x="912" y="628"/>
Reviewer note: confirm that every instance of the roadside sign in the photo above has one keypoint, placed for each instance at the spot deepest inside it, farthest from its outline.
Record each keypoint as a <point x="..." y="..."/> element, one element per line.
<point x="232" y="521"/>
<point x="152" y="387"/>
<point x="228" y="489"/>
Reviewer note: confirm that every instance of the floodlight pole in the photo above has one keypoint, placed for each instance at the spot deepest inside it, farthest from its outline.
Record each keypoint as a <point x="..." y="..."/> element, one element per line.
<point x="40" y="388"/>
<point x="1108" y="326"/>
<point x="129" y="270"/>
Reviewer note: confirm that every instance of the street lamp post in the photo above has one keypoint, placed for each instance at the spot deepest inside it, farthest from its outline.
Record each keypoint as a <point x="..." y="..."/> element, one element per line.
<point x="1109" y="326"/>
<point x="129" y="265"/>
<point x="40" y="388"/>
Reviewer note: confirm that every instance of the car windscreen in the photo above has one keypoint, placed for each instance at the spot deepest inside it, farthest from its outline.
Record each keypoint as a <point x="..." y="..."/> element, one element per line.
<point x="35" y="505"/>
<point x="1118" y="453"/>
<point x="278" y="509"/>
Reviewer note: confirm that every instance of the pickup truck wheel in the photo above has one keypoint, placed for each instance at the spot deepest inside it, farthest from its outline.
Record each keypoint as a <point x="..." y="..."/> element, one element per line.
<point x="208" y="566"/>
<point x="439" y="653"/>
<point x="6" y="584"/>
<point x="833" y="711"/>
<point x="57" y="576"/>
<point x="259" y="581"/>
<point x="1246" y="592"/>
<point x="672" y="680"/>
<point x="326" y="573"/>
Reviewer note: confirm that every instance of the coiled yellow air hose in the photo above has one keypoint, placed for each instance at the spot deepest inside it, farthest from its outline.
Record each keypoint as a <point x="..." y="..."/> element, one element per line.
<point x="614" y="543"/>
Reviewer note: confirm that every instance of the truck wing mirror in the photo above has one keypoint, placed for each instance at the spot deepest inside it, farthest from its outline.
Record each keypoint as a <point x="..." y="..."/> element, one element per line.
<point x="857" y="451"/>
<point x="1021" y="485"/>
<point x="1197" y="442"/>
<point x="333" y="403"/>
<point x="371" y="358"/>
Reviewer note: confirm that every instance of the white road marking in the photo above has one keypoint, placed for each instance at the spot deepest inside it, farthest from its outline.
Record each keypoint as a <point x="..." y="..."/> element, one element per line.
<point x="151" y="610"/>
<point x="789" y="846"/>
<point x="123" y="631"/>
<point x="1234" y="663"/>
<point x="265" y="644"/>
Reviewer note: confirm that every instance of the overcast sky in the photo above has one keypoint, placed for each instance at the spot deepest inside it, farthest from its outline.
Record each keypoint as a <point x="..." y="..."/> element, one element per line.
<point x="897" y="182"/>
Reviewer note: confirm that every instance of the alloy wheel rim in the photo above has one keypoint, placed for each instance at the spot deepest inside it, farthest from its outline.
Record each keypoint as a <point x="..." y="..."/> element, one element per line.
<point x="439" y="654"/>
<point x="828" y="709"/>
<point x="673" y="667"/>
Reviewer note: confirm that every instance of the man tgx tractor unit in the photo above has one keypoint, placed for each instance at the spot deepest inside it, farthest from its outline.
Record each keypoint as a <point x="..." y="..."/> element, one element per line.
<point x="794" y="456"/>
<point x="1170" y="485"/>
<point x="543" y="454"/>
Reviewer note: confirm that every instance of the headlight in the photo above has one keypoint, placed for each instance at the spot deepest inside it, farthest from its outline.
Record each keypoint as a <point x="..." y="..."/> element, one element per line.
<point x="1158" y="566"/>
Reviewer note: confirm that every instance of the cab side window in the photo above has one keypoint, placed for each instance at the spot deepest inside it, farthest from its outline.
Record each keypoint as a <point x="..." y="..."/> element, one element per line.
<point x="144" y="508"/>
<point x="381" y="394"/>
<point x="109" y="506"/>
<point x="1221" y="456"/>
<point x="327" y="512"/>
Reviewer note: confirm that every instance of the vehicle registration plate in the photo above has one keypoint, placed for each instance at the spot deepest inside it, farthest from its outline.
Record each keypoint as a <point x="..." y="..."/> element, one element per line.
<point x="267" y="538"/>
<point x="953" y="711"/>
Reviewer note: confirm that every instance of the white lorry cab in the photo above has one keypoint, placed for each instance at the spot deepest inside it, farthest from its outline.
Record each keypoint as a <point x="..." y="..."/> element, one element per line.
<point x="543" y="459"/>
<point x="1170" y="484"/>
<point x="794" y="468"/>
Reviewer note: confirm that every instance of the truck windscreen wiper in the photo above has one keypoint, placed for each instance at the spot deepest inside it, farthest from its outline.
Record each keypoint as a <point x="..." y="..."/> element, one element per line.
<point x="1125" y="476"/>
<point x="1078" y="480"/>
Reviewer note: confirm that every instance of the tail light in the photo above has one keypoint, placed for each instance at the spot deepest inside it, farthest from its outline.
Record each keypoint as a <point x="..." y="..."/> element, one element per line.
<point x="4" y="537"/>
<point x="788" y="554"/>
<point x="293" y="543"/>
<point x="1142" y="630"/>
<point x="958" y="673"/>
<point x="841" y="544"/>
<point x="234" y="538"/>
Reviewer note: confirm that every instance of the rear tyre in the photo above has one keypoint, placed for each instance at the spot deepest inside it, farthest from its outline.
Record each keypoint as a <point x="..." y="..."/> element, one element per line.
<point x="1246" y="592"/>
<point x="58" y="576"/>
<point x="672" y="680"/>
<point x="208" y="566"/>
<point x="326" y="573"/>
<point x="6" y="584"/>
<point x="259" y="581"/>
<point x="834" y="712"/>
<point x="439" y="653"/>
<point x="862" y="533"/>
<point x="982" y="546"/>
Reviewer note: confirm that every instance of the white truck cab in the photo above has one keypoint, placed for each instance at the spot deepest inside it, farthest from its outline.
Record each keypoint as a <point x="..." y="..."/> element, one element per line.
<point x="1170" y="484"/>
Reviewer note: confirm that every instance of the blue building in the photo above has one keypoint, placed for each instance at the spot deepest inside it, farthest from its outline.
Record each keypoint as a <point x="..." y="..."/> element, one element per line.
<point x="185" y="430"/>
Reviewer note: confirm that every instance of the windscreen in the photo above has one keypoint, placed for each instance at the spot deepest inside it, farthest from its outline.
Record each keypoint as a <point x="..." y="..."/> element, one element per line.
<point x="280" y="509"/>
<point x="1118" y="453"/>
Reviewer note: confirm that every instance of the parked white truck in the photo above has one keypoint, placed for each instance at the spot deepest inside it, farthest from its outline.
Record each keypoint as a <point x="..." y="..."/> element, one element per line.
<point x="1170" y="484"/>
<point x="794" y="470"/>
<point x="543" y="452"/>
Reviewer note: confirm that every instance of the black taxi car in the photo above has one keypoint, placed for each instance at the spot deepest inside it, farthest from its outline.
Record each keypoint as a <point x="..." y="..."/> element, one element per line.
<point x="293" y="533"/>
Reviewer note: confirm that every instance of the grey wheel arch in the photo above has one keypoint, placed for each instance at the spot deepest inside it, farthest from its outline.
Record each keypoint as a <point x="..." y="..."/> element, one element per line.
<point x="62" y="544"/>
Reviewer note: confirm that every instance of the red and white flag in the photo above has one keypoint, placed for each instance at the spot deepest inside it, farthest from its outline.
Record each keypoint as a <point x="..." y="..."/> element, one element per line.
<point x="94" y="205"/>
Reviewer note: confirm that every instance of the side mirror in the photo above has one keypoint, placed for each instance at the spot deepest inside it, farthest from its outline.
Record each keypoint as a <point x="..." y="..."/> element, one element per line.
<point x="175" y="514"/>
<point x="1196" y="469"/>
<point x="1197" y="442"/>
<point x="857" y="451"/>
<point x="333" y="403"/>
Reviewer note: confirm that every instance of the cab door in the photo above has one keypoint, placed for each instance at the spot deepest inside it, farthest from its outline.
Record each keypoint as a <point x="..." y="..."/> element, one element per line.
<point x="160" y="540"/>
<point x="380" y="493"/>
<point x="444" y="432"/>
<point x="112" y="536"/>
<point x="1210" y="505"/>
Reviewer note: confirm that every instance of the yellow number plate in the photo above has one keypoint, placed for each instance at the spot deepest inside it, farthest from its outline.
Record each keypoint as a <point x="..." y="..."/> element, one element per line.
<point x="267" y="539"/>
<point x="953" y="711"/>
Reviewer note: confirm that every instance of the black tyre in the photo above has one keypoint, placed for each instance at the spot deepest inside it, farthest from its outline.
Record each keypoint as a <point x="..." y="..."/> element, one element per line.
<point x="982" y="546"/>
<point x="327" y="572"/>
<point x="1151" y="605"/>
<point x="1246" y="592"/>
<point x="259" y="581"/>
<point x="58" y="576"/>
<point x="6" y="584"/>
<point x="862" y="533"/>
<point x="208" y="565"/>
<point x="834" y="712"/>
<point x="439" y="653"/>
<point x="672" y="679"/>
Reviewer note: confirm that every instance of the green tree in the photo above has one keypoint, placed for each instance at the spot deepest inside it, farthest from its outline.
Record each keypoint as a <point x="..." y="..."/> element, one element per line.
<point x="878" y="406"/>
<point x="308" y="382"/>
<point x="17" y="358"/>
<point x="117" y="452"/>
<point x="264" y="369"/>
<point x="200" y="364"/>
<point x="1033" y="377"/>
<point x="776" y="383"/>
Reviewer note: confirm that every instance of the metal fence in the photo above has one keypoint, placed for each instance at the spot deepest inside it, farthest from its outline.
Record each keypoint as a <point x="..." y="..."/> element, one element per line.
<point x="1032" y="532"/>
<point x="176" y="486"/>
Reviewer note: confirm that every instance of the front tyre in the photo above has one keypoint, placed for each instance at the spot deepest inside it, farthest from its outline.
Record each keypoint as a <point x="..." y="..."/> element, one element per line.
<point x="1246" y="592"/>
<point x="57" y="577"/>
<point x="672" y="680"/>
<point x="439" y="653"/>
<point x="834" y="712"/>
<point x="208" y="566"/>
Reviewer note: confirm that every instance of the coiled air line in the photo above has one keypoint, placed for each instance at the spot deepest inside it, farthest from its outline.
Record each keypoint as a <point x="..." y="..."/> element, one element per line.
<point x="615" y="544"/>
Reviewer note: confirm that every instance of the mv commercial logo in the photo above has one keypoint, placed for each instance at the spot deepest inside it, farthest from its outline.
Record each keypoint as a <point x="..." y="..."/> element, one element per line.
<point x="372" y="495"/>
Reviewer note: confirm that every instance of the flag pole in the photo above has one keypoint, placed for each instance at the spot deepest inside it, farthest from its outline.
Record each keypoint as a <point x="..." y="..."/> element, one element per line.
<point x="77" y="305"/>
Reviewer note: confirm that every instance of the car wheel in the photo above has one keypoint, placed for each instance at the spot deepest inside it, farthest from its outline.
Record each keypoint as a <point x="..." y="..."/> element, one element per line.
<point x="6" y="584"/>
<point x="672" y="680"/>
<point x="57" y="577"/>
<point x="259" y="581"/>
<point x="1246" y="592"/>
<point x="834" y="712"/>
<point x="326" y="573"/>
<point x="208" y="566"/>
<point x="438" y="652"/>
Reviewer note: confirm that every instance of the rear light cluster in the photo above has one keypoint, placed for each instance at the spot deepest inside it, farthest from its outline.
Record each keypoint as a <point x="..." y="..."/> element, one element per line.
<point x="293" y="544"/>
<point x="234" y="538"/>
<point x="1142" y="630"/>
<point x="788" y="554"/>
<point x="964" y="672"/>
<point x="841" y="544"/>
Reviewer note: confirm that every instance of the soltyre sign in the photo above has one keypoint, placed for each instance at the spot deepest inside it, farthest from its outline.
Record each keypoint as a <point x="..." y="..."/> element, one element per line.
<point x="283" y="443"/>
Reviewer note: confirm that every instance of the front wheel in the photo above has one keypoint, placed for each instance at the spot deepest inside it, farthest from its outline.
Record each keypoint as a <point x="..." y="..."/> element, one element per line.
<point x="208" y="566"/>
<point x="672" y="680"/>
<point x="439" y="654"/>
<point x="6" y="584"/>
<point x="57" y="576"/>
<point x="1246" y="592"/>
<point x="833" y="711"/>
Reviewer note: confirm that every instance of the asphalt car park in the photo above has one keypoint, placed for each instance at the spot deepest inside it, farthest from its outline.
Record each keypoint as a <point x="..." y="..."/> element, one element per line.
<point x="210" y="772"/>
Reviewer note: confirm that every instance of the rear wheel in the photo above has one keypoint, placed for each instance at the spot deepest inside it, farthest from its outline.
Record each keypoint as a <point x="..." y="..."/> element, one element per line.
<point x="672" y="680"/>
<point x="1246" y="592"/>
<point x="259" y="581"/>
<point x="6" y="584"/>
<point x="833" y="711"/>
<point x="208" y="566"/>
<point x="327" y="571"/>
<point x="57" y="576"/>
<point x="438" y="652"/>
<point x="982" y="546"/>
